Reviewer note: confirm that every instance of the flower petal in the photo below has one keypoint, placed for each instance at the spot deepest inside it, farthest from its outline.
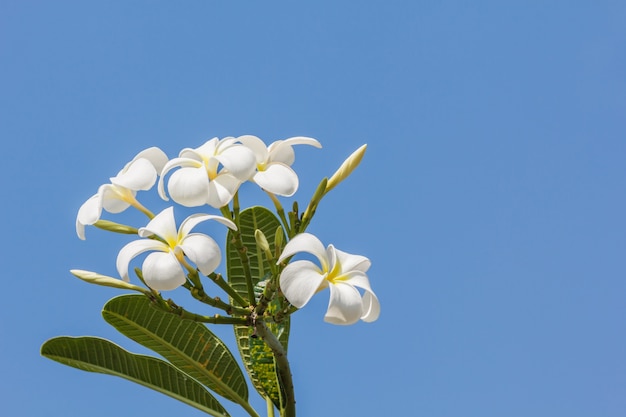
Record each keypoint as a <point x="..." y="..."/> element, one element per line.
<point x="132" y="249"/>
<point x="299" y="281"/>
<point x="189" y="186"/>
<point x="371" y="307"/>
<point x="138" y="175"/>
<point x="88" y="214"/>
<point x="224" y="144"/>
<point x="162" y="271"/>
<point x="239" y="161"/>
<point x="257" y="146"/>
<point x="197" y="218"/>
<point x="155" y="155"/>
<point x="202" y="251"/>
<point x="357" y="279"/>
<point x="278" y="179"/>
<point x="345" y="305"/>
<point x="222" y="189"/>
<point x="306" y="242"/>
<point x="282" y="151"/>
<point x="175" y="163"/>
<point x="162" y="225"/>
<point x="115" y="199"/>
<point x="80" y="230"/>
<point x="205" y="151"/>
<point x="302" y="140"/>
<point x="350" y="262"/>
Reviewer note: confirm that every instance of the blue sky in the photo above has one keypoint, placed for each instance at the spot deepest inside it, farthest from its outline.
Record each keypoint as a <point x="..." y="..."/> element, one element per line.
<point x="491" y="199"/>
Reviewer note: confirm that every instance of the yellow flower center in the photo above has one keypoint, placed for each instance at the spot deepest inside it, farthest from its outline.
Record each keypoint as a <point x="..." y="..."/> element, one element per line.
<point x="335" y="275"/>
<point x="211" y="167"/>
<point x="172" y="242"/>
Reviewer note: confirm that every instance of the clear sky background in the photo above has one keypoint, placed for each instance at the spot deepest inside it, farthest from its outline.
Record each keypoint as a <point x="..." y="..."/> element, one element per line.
<point x="491" y="200"/>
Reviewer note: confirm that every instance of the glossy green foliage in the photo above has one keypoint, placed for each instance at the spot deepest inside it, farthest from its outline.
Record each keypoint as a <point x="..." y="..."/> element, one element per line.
<point x="188" y="345"/>
<point x="98" y="355"/>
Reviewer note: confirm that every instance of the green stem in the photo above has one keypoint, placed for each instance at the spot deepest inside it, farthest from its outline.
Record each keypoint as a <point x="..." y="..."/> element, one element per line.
<point x="171" y="307"/>
<point x="197" y="291"/>
<point x="312" y="207"/>
<point x="221" y="282"/>
<point x="217" y="319"/>
<point x="200" y="295"/>
<point x="280" y="211"/>
<point x="288" y="310"/>
<point x="192" y="274"/>
<point x="270" y="407"/>
<point x="294" y="221"/>
<point x="282" y="365"/>
<point x="236" y="207"/>
<point x="268" y="294"/>
<point x="142" y="209"/>
<point x="242" y="251"/>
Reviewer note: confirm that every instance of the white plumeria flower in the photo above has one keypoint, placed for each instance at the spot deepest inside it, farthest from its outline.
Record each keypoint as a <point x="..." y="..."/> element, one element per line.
<point x="199" y="180"/>
<point x="139" y="174"/>
<point x="342" y="272"/>
<point x="162" y="270"/>
<point x="273" y="163"/>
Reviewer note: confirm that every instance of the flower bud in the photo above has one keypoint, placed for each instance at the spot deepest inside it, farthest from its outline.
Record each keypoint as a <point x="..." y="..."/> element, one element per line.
<point x="346" y="168"/>
<point x="262" y="243"/>
<point x="115" y="227"/>
<point x="278" y="239"/>
<point x="320" y="191"/>
<point x="95" y="278"/>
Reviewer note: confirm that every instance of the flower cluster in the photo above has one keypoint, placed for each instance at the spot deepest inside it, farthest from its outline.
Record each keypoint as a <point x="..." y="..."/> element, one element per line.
<point x="211" y="175"/>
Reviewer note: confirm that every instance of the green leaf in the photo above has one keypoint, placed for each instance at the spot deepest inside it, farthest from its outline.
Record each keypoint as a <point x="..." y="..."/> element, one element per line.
<point x="93" y="354"/>
<point x="188" y="345"/>
<point x="257" y="356"/>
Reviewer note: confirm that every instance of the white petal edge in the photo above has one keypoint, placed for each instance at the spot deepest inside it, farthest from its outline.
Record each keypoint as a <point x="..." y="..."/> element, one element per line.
<point x="257" y="146"/>
<point x="278" y="178"/>
<point x="115" y="199"/>
<point x="155" y="155"/>
<point x="299" y="281"/>
<point x="88" y="214"/>
<point x="175" y="163"/>
<point x="239" y="160"/>
<point x="350" y="262"/>
<point x="302" y="140"/>
<point x="162" y="271"/>
<point x="189" y="186"/>
<point x="162" y="225"/>
<point x="131" y="250"/>
<point x="371" y="307"/>
<point x="206" y="150"/>
<point x="222" y="189"/>
<point x="224" y="144"/>
<point x="80" y="230"/>
<point x="306" y="242"/>
<point x="358" y="279"/>
<point x="203" y="251"/>
<point x="345" y="305"/>
<point x="139" y="175"/>
<point x="282" y="151"/>
<point x="197" y="218"/>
